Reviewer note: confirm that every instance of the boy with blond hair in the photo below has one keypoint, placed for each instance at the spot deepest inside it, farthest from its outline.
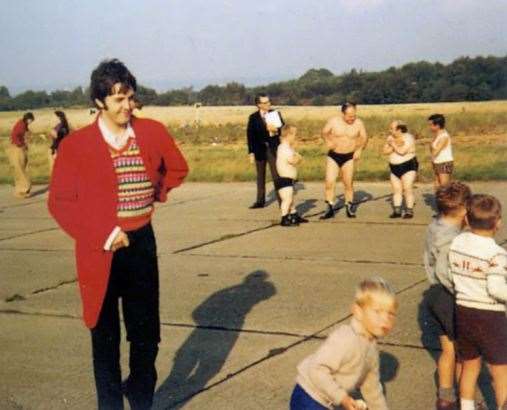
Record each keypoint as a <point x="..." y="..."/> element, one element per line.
<point x="451" y="204"/>
<point x="349" y="358"/>
<point x="479" y="272"/>
<point x="286" y="160"/>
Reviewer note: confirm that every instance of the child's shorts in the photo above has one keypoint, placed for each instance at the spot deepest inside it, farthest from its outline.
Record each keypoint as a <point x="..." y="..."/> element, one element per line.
<point x="301" y="400"/>
<point x="282" y="182"/>
<point x="444" y="167"/>
<point x="442" y="308"/>
<point x="481" y="333"/>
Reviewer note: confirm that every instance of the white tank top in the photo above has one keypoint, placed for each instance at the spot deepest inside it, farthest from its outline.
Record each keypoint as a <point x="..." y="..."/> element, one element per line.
<point x="446" y="154"/>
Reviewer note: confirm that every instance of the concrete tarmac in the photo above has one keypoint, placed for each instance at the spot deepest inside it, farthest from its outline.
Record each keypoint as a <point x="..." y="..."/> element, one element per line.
<point x="243" y="300"/>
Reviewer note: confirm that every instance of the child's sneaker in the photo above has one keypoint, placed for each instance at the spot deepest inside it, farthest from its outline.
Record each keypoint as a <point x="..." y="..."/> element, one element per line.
<point x="286" y="221"/>
<point x="351" y="208"/>
<point x="299" y="219"/>
<point x="329" y="213"/>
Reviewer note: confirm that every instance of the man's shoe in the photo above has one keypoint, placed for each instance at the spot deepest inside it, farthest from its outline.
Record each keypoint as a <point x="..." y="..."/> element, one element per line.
<point x="257" y="205"/>
<point x="286" y="221"/>
<point x="446" y="405"/>
<point x="395" y="215"/>
<point x="350" y="209"/>
<point x="299" y="219"/>
<point x="329" y="213"/>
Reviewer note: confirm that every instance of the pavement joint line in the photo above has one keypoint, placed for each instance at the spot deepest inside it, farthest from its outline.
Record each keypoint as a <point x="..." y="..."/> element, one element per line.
<point x="335" y="221"/>
<point x="223" y="238"/>
<point x="17" y="297"/>
<point x="277" y="352"/>
<point x="34" y="250"/>
<point x="308" y="259"/>
<point x="231" y="329"/>
<point x="29" y="233"/>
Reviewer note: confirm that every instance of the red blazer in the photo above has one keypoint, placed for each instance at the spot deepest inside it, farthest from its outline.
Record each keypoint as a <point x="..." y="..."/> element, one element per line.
<point x="83" y="197"/>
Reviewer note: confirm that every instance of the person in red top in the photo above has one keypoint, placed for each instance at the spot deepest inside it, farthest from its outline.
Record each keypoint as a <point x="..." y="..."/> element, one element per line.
<point x="106" y="178"/>
<point x="17" y="152"/>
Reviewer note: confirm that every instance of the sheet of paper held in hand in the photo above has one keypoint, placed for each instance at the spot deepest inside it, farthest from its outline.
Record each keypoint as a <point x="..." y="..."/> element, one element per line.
<point x="273" y="118"/>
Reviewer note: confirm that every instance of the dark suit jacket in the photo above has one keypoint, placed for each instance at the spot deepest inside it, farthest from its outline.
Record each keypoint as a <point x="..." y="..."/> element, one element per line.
<point x="258" y="138"/>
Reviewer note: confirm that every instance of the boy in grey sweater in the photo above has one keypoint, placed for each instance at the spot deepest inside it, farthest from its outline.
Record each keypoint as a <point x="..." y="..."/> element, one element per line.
<point x="451" y="204"/>
<point x="348" y="359"/>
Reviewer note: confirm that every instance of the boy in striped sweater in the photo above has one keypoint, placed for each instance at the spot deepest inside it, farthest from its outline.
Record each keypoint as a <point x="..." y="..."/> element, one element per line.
<point x="479" y="271"/>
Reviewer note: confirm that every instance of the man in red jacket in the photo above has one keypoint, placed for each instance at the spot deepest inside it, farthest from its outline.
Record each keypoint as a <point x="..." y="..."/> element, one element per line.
<point x="106" y="179"/>
<point x="17" y="152"/>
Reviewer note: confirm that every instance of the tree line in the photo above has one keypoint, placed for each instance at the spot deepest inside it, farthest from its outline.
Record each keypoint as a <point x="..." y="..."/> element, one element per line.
<point x="465" y="79"/>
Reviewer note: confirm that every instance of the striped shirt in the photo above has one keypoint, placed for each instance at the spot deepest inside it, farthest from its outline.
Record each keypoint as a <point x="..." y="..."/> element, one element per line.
<point x="479" y="272"/>
<point x="136" y="194"/>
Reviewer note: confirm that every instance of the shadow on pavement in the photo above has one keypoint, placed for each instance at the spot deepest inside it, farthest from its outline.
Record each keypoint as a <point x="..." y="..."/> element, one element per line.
<point x="203" y="354"/>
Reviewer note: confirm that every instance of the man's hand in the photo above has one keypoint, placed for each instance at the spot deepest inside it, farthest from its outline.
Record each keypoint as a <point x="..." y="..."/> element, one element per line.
<point x="348" y="403"/>
<point x="357" y="155"/>
<point x="121" y="241"/>
<point x="252" y="158"/>
<point x="272" y="129"/>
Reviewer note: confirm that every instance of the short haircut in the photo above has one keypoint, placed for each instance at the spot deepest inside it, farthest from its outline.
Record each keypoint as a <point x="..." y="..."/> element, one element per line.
<point x="347" y="105"/>
<point x="28" y="116"/>
<point x="401" y="126"/>
<point x="106" y="75"/>
<point x="374" y="288"/>
<point x="452" y="197"/>
<point x="437" y="119"/>
<point x="259" y="96"/>
<point x="288" y="129"/>
<point x="483" y="212"/>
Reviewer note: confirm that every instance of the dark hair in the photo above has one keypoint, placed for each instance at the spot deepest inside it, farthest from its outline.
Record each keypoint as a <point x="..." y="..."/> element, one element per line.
<point x="347" y="105"/>
<point x="106" y="75"/>
<point x="402" y="127"/>
<point x="483" y="212"/>
<point x="28" y="116"/>
<point x="437" y="119"/>
<point x="259" y="96"/>
<point x="62" y="130"/>
<point x="63" y="121"/>
<point x="452" y="197"/>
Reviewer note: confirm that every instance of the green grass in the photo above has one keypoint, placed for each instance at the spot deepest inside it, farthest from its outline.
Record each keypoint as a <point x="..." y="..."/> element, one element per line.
<point x="217" y="153"/>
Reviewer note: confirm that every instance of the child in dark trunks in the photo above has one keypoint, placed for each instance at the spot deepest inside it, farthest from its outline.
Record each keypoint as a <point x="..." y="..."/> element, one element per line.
<point x="400" y="146"/>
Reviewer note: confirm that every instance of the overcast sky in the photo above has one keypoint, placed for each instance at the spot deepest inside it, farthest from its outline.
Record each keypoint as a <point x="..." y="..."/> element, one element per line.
<point x="56" y="43"/>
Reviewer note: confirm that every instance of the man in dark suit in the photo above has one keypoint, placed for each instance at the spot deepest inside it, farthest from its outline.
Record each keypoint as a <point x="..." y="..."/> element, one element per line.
<point x="263" y="140"/>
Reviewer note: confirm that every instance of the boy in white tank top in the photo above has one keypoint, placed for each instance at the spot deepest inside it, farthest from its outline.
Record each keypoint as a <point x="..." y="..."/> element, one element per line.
<point x="441" y="150"/>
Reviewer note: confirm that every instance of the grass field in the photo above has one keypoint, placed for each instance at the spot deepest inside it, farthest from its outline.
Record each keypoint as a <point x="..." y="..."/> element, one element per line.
<point x="216" y="151"/>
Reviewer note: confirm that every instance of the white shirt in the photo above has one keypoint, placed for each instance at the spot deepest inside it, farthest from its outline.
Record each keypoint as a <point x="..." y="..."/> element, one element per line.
<point x="479" y="272"/>
<point x="445" y="155"/>
<point x="285" y="169"/>
<point x="115" y="141"/>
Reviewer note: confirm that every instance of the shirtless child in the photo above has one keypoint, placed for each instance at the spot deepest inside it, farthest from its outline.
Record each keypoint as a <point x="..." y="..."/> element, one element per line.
<point x="346" y="138"/>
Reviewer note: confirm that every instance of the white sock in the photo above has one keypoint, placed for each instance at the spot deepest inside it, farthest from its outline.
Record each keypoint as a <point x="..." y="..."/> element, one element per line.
<point x="467" y="404"/>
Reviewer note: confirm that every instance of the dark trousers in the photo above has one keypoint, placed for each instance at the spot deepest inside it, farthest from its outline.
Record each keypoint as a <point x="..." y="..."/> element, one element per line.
<point x="301" y="400"/>
<point x="134" y="279"/>
<point x="261" y="174"/>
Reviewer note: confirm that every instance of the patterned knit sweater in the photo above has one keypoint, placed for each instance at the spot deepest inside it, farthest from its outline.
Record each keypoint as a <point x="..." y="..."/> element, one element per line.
<point x="135" y="190"/>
